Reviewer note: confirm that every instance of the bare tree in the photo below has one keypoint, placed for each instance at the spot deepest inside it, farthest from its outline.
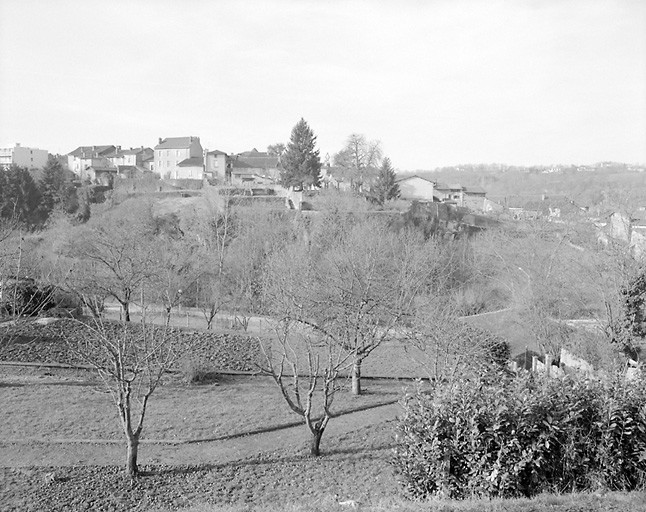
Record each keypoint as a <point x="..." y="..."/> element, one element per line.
<point x="445" y="347"/>
<point x="359" y="160"/>
<point x="306" y="369"/>
<point x="131" y="361"/>
<point x="213" y="229"/>
<point x="116" y="255"/>
<point x="354" y="287"/>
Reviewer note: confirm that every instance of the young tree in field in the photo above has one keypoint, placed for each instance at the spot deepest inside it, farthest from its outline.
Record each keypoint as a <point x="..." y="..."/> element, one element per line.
<point x="306" y="370"/>
<point x="131" y="361"/>
<point x="366" y="286"/>
<point x="301" y="161"/>
<point x="304" y="363"/>
<point x="358" y="160"/>
<point x="360" y="284"/>
<point x="385" y="187"/>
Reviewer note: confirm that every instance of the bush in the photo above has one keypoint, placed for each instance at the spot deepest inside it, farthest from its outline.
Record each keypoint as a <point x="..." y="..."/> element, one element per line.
<point x="513" y="437"/>
<point x="197" y="371"/>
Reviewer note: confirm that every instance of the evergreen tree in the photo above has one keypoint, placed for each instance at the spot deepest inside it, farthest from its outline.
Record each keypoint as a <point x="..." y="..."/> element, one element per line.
<point x="20" y="197"/>
<point x="51" y="185"/>
<point x="56" y="190"/>
<point x="385" y="187"/>
<point x="301" y="161"/>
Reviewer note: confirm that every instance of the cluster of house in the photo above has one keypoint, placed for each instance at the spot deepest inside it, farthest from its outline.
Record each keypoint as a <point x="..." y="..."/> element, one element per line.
<point x="416" y="188"/>
<point x="177" y="158"/>
<point x="184" y="158"/>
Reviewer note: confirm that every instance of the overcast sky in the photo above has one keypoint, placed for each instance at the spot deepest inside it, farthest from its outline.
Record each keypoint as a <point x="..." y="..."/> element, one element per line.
<point x="438" y="82"/>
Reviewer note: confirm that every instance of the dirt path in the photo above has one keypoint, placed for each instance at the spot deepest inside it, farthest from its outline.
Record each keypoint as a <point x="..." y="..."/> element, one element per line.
<point x="104" y="454"/>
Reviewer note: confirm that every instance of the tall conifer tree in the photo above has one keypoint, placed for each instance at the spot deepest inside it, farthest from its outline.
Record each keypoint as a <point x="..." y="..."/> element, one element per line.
<point x="301" y="162"/>
<point x="385" y="187"/>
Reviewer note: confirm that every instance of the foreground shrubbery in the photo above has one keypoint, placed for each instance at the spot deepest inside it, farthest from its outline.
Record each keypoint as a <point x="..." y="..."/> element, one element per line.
<point x="523" y="436"/>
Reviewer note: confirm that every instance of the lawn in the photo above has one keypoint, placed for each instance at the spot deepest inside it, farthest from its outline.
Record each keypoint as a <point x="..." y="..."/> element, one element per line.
<point x="74" y="405"/>
<point x="355" y="465"/>
<point x="357" y="469"/>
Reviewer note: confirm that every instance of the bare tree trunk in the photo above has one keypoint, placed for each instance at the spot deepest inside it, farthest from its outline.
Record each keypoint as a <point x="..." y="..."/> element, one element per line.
<point x="131" y="464"/>
<point x="126" y="311"/>
<point x="356" y="376"/>
<point x="315" y="444"/>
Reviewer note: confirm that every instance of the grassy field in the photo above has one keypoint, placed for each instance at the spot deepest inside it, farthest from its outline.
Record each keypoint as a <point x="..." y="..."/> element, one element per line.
<point x="47" y="404"/>
<point x="74" y="405"/>
<point x="40" y="408"/>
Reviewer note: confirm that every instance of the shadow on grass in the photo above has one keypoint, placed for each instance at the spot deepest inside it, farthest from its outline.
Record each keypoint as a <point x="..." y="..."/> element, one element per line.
<point x="282" y="426"/>
<point x="369" y="453"/>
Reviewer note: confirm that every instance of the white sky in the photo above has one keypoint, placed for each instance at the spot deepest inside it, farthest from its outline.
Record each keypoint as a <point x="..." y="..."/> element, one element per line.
<point x="439" y="82"/>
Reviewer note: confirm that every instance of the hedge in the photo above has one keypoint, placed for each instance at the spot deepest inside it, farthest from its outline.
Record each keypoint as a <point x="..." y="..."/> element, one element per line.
<point x="510" y="437"/>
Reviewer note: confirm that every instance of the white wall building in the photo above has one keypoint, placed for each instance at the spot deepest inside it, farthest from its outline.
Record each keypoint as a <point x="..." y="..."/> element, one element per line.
<point x="173" y="150"/>
<point x="31" y="158"/>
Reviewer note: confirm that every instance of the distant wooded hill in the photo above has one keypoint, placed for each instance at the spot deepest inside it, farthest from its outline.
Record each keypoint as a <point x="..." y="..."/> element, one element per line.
<point x="603" y="187"/>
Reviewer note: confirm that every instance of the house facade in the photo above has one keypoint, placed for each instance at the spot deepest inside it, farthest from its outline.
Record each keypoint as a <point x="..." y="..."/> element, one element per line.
<point x="415" y="188"/>
<point x="172" y="151"/>
<point x="449" y="193"/>
<point x="190" y="169"/>
<point x="261" y="163"/>
<point x="83" y="157"/>
<point x="30" y="158"/>
<point x="132" y="157"/>
<point x="217" y="166"/>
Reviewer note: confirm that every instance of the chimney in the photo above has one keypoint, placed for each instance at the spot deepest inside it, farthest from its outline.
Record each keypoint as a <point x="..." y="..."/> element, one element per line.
<point x="160" y="140"/>
<point x="118" y="148"/>
<point x="17" y="144"/>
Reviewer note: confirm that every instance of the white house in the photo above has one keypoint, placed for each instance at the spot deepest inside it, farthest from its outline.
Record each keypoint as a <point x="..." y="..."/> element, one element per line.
<point x="415" y="188"/>
<point x="170" y="152"/>
<point x="31" y="158"/>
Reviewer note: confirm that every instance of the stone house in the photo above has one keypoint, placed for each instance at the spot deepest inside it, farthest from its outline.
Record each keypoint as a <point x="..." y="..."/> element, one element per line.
<point x="172" y="151"/>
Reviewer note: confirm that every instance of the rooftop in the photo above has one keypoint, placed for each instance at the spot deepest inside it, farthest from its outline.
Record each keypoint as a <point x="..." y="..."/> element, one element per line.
<point x="194" y="161"/>
<point x="177" y="142"/>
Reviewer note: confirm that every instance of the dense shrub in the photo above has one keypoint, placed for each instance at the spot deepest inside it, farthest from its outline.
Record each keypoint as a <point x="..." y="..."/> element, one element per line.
<point x="522" y="436"/>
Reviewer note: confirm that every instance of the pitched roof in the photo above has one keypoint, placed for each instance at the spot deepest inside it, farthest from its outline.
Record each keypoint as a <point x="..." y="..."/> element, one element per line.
<point x="177" y="142"/>
<point x="92" y="150"/>
<point x="194" y="161"/>
<point x="216" y="152"/>
<point x="474" y="190"/>
<point x="253" y="152"/>
<point x="98" y="168"/>
<point x="261" y="162"/>
<point x="414" y="176"/>
<point x="239" y="164"/>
